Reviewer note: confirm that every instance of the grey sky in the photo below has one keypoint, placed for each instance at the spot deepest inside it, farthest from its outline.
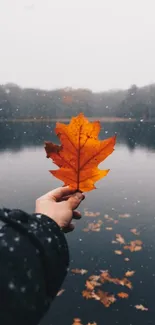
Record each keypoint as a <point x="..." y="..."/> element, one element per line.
<point x="97" y="44"/>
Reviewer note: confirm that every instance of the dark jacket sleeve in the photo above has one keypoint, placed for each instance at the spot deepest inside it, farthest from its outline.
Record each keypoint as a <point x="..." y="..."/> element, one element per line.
<point x="33" y="264"/>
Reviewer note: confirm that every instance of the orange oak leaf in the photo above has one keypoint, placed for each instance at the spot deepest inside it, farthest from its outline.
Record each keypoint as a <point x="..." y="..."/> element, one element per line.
<point x="105" y="298"/>
<point x="87" y="294"/>
<point x="125" y="282"/>
<point x="80" y="153"/>
<point x="123" y="295"/>
<point x="90" y="285"/>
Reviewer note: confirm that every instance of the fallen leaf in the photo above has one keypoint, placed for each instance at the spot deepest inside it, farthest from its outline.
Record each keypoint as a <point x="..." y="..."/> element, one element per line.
<point x="95" y="284"/>
<point x="124" y="216"/>
<point x="80" y="153"/>
<point x="87" y="294"/>
<point x="60" y="292"/>
<point x="91" y="214"/>
<point x="123" y="295"/>
<point x="120" y="239"/>
<point x="95" y="296"/>
<point x="77" y="321"/>
<point x="85" y="229"/>
<point x="125" y="282"/>
<point x="94" y="277"/>
<point x="129" y="273"/>
<point x="118" y="252"/>
<point x="79" y="271"/>
<point x="135" y="232"/>
<point x="108" y="218"/>
<point x="137" y="242"/>
<point x="94" y="226"/>
<point x="89" y="285"/>
<point x="106" y="277"/>
<point x="126" y="259"/>
<point x="135" y="246"/>
<point x="141" y="307"/>
<point x="105" y="298"/>
<point x="116" y="221"/>
<point x="114" y="242"/>
<point x="109" y="228"/>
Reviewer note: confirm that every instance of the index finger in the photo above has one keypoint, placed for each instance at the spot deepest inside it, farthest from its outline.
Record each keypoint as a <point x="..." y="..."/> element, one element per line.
<point x="59" y="193"/>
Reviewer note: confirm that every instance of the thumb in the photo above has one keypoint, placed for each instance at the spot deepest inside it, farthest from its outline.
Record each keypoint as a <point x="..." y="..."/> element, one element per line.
<point x="75" y="200"/>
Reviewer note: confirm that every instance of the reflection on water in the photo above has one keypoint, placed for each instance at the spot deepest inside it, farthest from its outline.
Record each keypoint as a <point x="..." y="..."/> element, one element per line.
<point x="15" y="136"/>
<point x="129" y="188"/>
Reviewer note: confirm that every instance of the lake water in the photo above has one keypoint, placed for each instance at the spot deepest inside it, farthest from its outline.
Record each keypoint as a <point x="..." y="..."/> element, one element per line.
<point x="128" y="189"/>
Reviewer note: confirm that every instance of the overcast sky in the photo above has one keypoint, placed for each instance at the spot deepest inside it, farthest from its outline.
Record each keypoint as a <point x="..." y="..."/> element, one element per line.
<point x="97" y="44"/>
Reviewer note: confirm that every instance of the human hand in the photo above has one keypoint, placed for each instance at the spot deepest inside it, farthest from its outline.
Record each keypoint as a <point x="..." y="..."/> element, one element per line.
<point x="59" y="205"/>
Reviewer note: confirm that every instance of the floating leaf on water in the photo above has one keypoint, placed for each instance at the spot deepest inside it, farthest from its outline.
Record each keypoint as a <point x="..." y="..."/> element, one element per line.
<point x="126" y="259"/>
<point x="79" y="271"/>
<point x="77" y="321"/>
<point x="95" y="227"/>
<point x="114" y="242"/>
<point x="94" y="277"/>
<point x="95" y="296"/>
<point x="135" y="246"/>
<point x="123" y="295"/>
<point x="135" y="232"/>
<point x="89" y="285"/>
<point x="125" y="282"/>
<point x="129" y="273"/>
<point x="106" y="298"/>
<point x="85" y="229"/>
<point x="60" y="292"/>
<point x="87" y="294"/>
<point x="91" y="214"/>
<point x="117" y="252"/>
<point x="141" y="307"/>
<point x="106" y="277"/>
<point x="120" y="239"/>
<point x="109" y="228"/>
<point x="108" y="218"/>
<point x="124" y="216"/>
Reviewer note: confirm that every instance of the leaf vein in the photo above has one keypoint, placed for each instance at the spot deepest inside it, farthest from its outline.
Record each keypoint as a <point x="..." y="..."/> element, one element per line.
<point x="96" y="154"/>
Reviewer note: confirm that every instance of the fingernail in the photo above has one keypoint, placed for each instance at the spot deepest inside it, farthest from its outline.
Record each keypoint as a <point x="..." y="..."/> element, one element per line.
<point x="79" y="195"/>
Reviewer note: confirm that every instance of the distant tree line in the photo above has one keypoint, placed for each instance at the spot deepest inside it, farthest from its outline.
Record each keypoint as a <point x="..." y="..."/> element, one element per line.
<point x="20" y="103"/>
